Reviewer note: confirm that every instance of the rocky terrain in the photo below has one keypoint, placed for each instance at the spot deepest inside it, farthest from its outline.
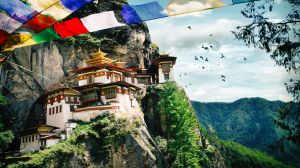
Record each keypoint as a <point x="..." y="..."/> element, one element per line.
<point x="48" y="63"/>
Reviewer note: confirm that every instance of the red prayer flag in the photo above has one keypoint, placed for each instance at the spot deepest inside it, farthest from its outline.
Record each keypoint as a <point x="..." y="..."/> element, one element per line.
<point x="70" y="27"/>
<point x="40" y="23"/>
<point x="3" y="36"/>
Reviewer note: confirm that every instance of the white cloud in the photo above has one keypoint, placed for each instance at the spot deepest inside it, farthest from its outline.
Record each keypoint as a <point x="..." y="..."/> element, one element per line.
<point x="256" y="77"/>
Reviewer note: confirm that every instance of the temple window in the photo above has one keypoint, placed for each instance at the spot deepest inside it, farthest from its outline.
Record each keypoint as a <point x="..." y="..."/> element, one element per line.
<point x="49" y="111"/>
<point x="36" y="137"/>
<point x="32" y="137"/>
<point x="29" y="138"/>
<point x="143" y="80"/>
<point x="53" y="110"/>
<point x="23" y="139"/>
<point x="110" y="93"/>
<point x="166" y="76"/>
<point x="60" y="108"/>
<point x="75" y="100"/>
<point x="56" y="109"/>
<point x="72" y="108"/>
<point x="90" y="79"/>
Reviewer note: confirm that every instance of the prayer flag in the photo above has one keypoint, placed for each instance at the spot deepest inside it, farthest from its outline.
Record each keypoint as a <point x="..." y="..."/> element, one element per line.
<point x="70" y="27"/>
<point x="46" y="35"/>
<point x="73" y="5"/>
<point x="40" y="22"/>
<point x="176" y="7"/>
<point x="100" y="21"/>
<point x="58" y="11"/>
<point x="130" y="15"/>
<point x="16" y="39"/>
<point x="8" y="24"/>
<point x="17" y="10"/>
<point x="3" y="36"/>
<point x="144" y="12"/>
<point x="40" y="5"/>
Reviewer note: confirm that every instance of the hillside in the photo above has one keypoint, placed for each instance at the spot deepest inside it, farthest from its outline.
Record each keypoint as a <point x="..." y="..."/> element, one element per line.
<point x="248" y="121"/>
<point x="108" y="141"/>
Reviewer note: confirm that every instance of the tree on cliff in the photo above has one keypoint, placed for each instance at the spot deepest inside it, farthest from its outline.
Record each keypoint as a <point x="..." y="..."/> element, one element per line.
<point x="181" y="127"/>
<point x="281" y="40"/>
<point x="6" y="136"/>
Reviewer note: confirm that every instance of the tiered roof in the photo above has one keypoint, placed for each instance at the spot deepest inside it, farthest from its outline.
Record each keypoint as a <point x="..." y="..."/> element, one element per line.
<point x="99" y="58"/>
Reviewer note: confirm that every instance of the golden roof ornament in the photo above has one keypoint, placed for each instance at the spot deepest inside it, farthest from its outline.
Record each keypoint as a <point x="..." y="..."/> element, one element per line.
<point x="99" y="58"/>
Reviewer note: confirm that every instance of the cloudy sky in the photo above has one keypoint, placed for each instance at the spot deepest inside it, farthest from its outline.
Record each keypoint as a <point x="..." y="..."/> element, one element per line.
<point x="258" y="76"/>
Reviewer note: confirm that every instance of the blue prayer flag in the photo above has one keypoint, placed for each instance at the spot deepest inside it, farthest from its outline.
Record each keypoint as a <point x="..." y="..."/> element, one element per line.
<point x="17" y="10"/>
<point x="144" y="12"/>
<point x="73" y="5"/>
<point x="130" y="15"/>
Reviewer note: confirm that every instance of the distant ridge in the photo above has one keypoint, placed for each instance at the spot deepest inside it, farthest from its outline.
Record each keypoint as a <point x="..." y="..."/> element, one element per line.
<point x="248" y="121"/>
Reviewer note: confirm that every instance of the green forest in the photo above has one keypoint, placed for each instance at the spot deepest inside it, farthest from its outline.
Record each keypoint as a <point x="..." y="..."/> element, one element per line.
<point x="250" y="122"/>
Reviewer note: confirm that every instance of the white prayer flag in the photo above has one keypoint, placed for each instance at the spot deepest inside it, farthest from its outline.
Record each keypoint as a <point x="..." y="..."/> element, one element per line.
<point x="100" y="21"/>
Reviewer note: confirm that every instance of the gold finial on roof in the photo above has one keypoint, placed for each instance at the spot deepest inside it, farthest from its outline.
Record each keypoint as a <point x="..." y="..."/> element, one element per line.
<point x="99" y="58"/>
<point x="98" y="54"/>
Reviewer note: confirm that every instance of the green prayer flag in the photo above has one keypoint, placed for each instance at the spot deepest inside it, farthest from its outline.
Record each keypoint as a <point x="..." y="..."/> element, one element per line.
<point x="46" y="35"/>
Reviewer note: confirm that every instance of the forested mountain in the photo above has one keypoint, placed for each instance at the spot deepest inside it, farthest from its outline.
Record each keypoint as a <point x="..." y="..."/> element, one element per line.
<point x="248" y="121"/>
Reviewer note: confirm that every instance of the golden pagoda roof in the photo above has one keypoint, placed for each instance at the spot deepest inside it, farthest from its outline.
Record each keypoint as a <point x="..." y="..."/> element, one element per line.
<point x="99" y="58"/>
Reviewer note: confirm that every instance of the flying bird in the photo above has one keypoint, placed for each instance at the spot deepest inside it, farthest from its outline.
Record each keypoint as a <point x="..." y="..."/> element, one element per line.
<point x="196" y="58"/>
<point x="203" y="67"/>
<point x="201" y="57"/>
<point x="185" y="73"/>
<point x="211" y="46"/>
<point x="206" y="59"/>
<point x="205" y="48"/>
<point x="223" y="80"/>
<point x="222" y="76"/>
<point x="180" y="75"/>
<point x="245" y="59"/>
<point x="210" y="35"/>
<point x="222" y="56"/>
<point x="189" y="27"/>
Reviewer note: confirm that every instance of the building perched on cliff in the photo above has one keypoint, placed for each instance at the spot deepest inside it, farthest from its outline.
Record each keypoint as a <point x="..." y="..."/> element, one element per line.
<point x="102" y="86"/>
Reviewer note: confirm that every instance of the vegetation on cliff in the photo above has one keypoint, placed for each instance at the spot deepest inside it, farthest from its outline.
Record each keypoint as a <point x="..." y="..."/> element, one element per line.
<point x="181" y="127"/>
<point x="6" y="136"/>
<point x="91" y="143"/>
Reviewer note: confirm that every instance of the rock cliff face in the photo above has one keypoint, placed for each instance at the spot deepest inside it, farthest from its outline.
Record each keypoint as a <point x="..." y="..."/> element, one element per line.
<point x="44" y="64"/>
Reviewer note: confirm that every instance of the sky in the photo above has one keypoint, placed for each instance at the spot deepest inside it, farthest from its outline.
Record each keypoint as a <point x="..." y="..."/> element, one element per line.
<point x="257" y="76"/>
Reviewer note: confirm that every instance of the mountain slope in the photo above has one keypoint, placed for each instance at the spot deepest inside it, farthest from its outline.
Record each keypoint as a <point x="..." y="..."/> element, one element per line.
<point x="248" y="121"/>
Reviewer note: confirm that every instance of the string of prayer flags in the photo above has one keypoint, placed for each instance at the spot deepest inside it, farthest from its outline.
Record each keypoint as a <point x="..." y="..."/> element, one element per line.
<point x="41" y="16"/>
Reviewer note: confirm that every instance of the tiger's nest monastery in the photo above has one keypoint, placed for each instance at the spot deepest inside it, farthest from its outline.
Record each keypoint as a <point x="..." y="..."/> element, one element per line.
<point x="102" y="86"/>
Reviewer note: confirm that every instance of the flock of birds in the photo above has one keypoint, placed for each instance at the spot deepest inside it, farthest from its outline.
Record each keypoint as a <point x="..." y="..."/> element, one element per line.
<point x="205" y="59"/>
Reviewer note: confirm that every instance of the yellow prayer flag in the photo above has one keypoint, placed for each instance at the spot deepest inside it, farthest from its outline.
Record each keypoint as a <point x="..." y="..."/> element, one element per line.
<point x="40" y="5"/>
<point x="57" y="11"/>
<point x="176" y="7"/>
